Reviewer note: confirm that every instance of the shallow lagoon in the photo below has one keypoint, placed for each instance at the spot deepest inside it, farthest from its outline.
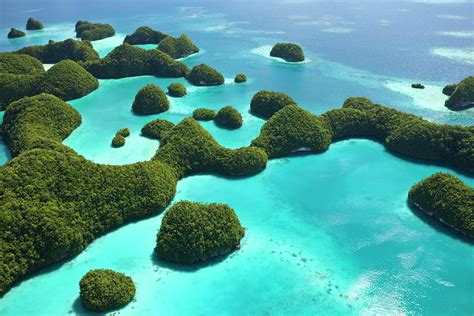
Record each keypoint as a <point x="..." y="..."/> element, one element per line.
<point x="327" y="234"/>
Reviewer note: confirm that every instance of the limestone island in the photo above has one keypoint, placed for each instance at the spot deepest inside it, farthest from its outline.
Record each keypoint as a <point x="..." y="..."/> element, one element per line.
<point x="54" y="52"/>
<point x="449" y="89"/>
<point x="157" y="129"/>
<point x="118" y="141"/>
<point x="265" y="103"/>
<point x="22" y="76"/>
<point x="150" y="100"/>
<point x="144" y="35"/>
<point x="288" y="51"/>
<point x="228" y="117"/>
<point x="204" y="75"/>
<point x="446" y="198"/>
<point x="127" y="61"/>
<point x="33" y="24"/>
<point x="193" y="232"/>
<point x="102" y="290"/>
<point x="240" y="78"/>
<point x="14" y="33"/>
<point x="176" y="90"/>
<point x="203" y="114"/>
<point x="462" y="98"/>
<point x="88" y="31"/>
<point x="417" y="86"/>
<point x="178" y="47"/>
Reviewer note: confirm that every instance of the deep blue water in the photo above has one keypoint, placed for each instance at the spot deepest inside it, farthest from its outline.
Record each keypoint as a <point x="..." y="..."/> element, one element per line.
<point x="326" y="234"/>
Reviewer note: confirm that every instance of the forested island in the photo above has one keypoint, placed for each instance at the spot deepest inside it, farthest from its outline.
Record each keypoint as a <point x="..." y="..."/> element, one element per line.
<point x="64" y="206"/>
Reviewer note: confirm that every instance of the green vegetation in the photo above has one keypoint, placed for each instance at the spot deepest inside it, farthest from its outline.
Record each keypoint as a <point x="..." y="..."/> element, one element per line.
<point x="417" y="86"/>
<point x="33" y="24"/>
<point x="54" y="52"/>
<point x="150" y="100"/>
<point x="47" y="209"/>
<point x="228" y="117"/>
<point x="157" y="129"/>
<point x="203" y="75"/>
<point x="38" y="122"/>
<point x="14" y="33"/>
<point x="119" y="138"/>
<point x="127" y="61"/>
<point x="178" y="47"/>
<point x="125" y="132"/>
<point x="118" y="141"/>
<point x="463" y="96"/>
<point x="20" y="64"/>
<point x="288" y="51"/>
<point x="449" y="89"/>
<point x="292" y="129"/>
<point x="144" y="35"/>
<point x="403" y="133"/>
<point x="240" y="78"/>
<point x="190" y="149"/>
<point x="202" y="114"/>
<point x="446" y="198"/>
<point x="103" y="290"/>
<point x="194" y="232"/>
<point x="88" y="31"/>
<point x="66" y="80"/>
<point x="176" y="90"/>
<point x="265" y="103"/>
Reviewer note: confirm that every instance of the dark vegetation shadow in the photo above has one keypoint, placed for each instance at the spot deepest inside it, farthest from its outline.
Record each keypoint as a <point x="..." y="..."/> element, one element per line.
<point x="187" y="268"/>
<point x="78" y="309"/>
<point x="439" y="226"/>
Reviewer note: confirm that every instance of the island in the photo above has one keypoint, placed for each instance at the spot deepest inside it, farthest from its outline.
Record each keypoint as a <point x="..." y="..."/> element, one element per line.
<point x="14" y="33"/>
<point x="54" y="52"/>
<point x="240" y="78"/>
<point x="462" y="98"/>
<point x="203" y="114"/>
<point x="119" y="138"/>
<point x="157" y="129"/>
<point x="449" y="89"/>
<point x="204" y="75"/>
<point x="88" y="31"/>
<point x="228" y="117"/>
<point x="189" y="149"/>
<point x="150" y="99"/>
<point x="288" y="51"/>
<point x="102" y="290"/>
<point x="178" y="47"/>
<point x="265" y="103"/>
<point x="22" y="76"/>
<point x="144" y="35"/>
<point x="446" y="198"/>
<point x="176" y="90"/>
<point x="118" y="141"/>
<point x="33" y="24"/>
<point x="417" y="86"/>
<point x="127" y="61"/>
<point x="193" y="232"/>
<point x="37" y="233"/>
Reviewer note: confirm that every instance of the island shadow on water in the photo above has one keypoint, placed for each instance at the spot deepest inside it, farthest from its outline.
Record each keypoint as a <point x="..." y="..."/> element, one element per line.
<point x="438" y="225"/>
<point x="189" y="268"/>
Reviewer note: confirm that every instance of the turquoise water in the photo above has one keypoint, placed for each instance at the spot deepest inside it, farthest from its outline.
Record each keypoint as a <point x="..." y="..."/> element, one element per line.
<point x="326" y="234"/>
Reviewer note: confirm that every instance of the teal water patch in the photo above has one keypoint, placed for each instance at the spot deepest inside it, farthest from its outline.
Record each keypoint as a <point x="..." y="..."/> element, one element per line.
<point x="329" y="232"/>
<point x="4" y="153"/>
